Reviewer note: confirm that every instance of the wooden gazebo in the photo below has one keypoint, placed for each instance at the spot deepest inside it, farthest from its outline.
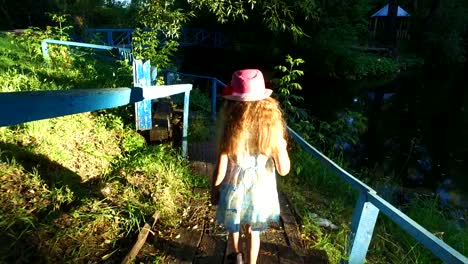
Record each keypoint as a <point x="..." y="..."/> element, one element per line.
<point x="379" y="19"/>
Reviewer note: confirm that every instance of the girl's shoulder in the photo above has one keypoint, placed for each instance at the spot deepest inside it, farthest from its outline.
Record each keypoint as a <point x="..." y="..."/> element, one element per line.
<point x="249" y="160"/>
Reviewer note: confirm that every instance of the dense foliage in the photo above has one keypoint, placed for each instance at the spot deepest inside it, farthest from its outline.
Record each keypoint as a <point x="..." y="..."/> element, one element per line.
<point x="319" y="39"/>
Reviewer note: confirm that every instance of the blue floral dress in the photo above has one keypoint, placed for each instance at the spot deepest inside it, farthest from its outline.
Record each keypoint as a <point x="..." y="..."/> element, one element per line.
<point x="248" y="194"/>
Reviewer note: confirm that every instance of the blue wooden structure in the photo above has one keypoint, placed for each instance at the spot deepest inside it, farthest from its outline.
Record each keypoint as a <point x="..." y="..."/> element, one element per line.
<point x="121" y="53"/>
<point x="116" y="37"/>
<point x="368" y="206"/>
<point x="170" y="75"/>
<point x="202" y="37"/>
<point x="402" y="20"/>
<point x="122" y="37"/>
<point x="21" y="107"/>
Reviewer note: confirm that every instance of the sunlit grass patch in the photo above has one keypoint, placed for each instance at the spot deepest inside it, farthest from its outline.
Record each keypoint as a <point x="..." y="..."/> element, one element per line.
<point x="78" y="188"/>
<point x="156" y="173"/>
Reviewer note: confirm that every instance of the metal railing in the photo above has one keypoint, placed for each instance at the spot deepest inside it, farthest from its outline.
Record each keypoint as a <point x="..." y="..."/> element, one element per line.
<point x="171" y="76"/>
<point x="367" y="209"/>
<point x="122" y="37"/>
<point x="118" y="52"/>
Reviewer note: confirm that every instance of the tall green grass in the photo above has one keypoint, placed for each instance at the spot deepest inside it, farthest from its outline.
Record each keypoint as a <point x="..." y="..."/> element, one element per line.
<point x="77" y="188"/>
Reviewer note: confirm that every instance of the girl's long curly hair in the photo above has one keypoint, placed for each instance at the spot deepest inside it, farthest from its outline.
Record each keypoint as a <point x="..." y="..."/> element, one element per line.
<point x="251" y="127"/>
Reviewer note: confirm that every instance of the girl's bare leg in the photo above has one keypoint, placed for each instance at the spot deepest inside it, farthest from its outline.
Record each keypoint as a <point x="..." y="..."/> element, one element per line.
<point x="235" y="241"/>
<point x="254" y="245"/>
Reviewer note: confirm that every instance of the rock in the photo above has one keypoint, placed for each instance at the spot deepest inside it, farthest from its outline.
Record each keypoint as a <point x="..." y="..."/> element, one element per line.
<point x="322" y="222"/>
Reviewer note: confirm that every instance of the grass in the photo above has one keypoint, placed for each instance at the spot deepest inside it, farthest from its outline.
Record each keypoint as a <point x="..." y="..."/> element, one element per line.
<point x="77" y="188"/>
<point x="309" y="186"/>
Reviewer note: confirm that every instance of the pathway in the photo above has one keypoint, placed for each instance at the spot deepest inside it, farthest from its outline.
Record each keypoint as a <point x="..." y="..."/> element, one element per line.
<point x="209" y="244"/>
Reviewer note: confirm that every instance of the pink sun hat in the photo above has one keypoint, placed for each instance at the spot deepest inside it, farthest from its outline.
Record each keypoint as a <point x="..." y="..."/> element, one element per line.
<point x="246" y="85"/>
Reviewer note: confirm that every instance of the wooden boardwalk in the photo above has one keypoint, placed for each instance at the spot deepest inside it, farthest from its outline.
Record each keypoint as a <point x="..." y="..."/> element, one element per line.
<point x="208" y="243"/>
<point x="200" y="240"/>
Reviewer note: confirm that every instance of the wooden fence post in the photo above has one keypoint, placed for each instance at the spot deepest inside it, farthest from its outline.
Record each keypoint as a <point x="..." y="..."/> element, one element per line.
<point x="142" y="78"/>
<point x="362" y="227"/>
<point x="45" y="50"/>
<point x="185" y="123"/>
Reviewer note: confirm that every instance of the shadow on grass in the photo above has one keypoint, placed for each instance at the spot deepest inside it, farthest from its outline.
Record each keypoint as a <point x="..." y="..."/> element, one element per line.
<point x="53" y="173"/>
<point x="18" y="243"/>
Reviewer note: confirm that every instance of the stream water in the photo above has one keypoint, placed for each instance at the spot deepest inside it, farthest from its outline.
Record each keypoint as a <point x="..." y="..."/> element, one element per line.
<point x="417" y="130"/>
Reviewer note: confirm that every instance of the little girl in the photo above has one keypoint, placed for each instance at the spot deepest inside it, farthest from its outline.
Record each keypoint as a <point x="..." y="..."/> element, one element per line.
<point x="252" y="146"/>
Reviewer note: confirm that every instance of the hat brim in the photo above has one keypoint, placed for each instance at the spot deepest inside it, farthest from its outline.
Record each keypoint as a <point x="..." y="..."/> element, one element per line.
<point x="248" y="98"/>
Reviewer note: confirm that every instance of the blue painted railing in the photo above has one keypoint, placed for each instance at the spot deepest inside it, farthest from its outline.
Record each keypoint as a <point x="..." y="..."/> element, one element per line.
<point x="120" y="53"/>
<point x="21" y="107"/>
<point x="172" y="76"/>
<point x="116" y="37"/>
<point x="368" y="205"/>
<point x="122" y="37"/>
<point x="367" y="209"/>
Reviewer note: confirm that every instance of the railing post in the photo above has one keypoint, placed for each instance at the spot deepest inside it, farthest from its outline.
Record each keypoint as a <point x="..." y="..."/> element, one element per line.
<point x="142" y="78"/>
<point x="214" y="84"/>
<point x="169" y="78"/>
<point x="45" y="50"/>
<point x="362" y="226"/>
<point x="110" y="41"/>
<point x="185" y="123"/>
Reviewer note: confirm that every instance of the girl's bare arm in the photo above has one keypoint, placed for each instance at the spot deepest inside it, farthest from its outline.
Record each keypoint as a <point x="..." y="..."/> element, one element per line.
<point x="281" y="157"/>
<point x="220" y="170"/>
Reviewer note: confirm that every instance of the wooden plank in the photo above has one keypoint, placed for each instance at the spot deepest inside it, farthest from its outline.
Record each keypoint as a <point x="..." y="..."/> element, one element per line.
<point x="77" y="44"/>
<point x="20" y="107"/>
<point x="45" y="47"/>
<point x="184" y="249"/>
<point x="268" y="250"/>
<point x="286" y="254"/>
<point x="294" y="251"/>
<point x="185" y="123"/>
<point x="142" y="78"/>
<point x="140" y="240"/>
<point x="213" y="244"/>
<point x="316" y="257"/>
<point x="290" y="226"/>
